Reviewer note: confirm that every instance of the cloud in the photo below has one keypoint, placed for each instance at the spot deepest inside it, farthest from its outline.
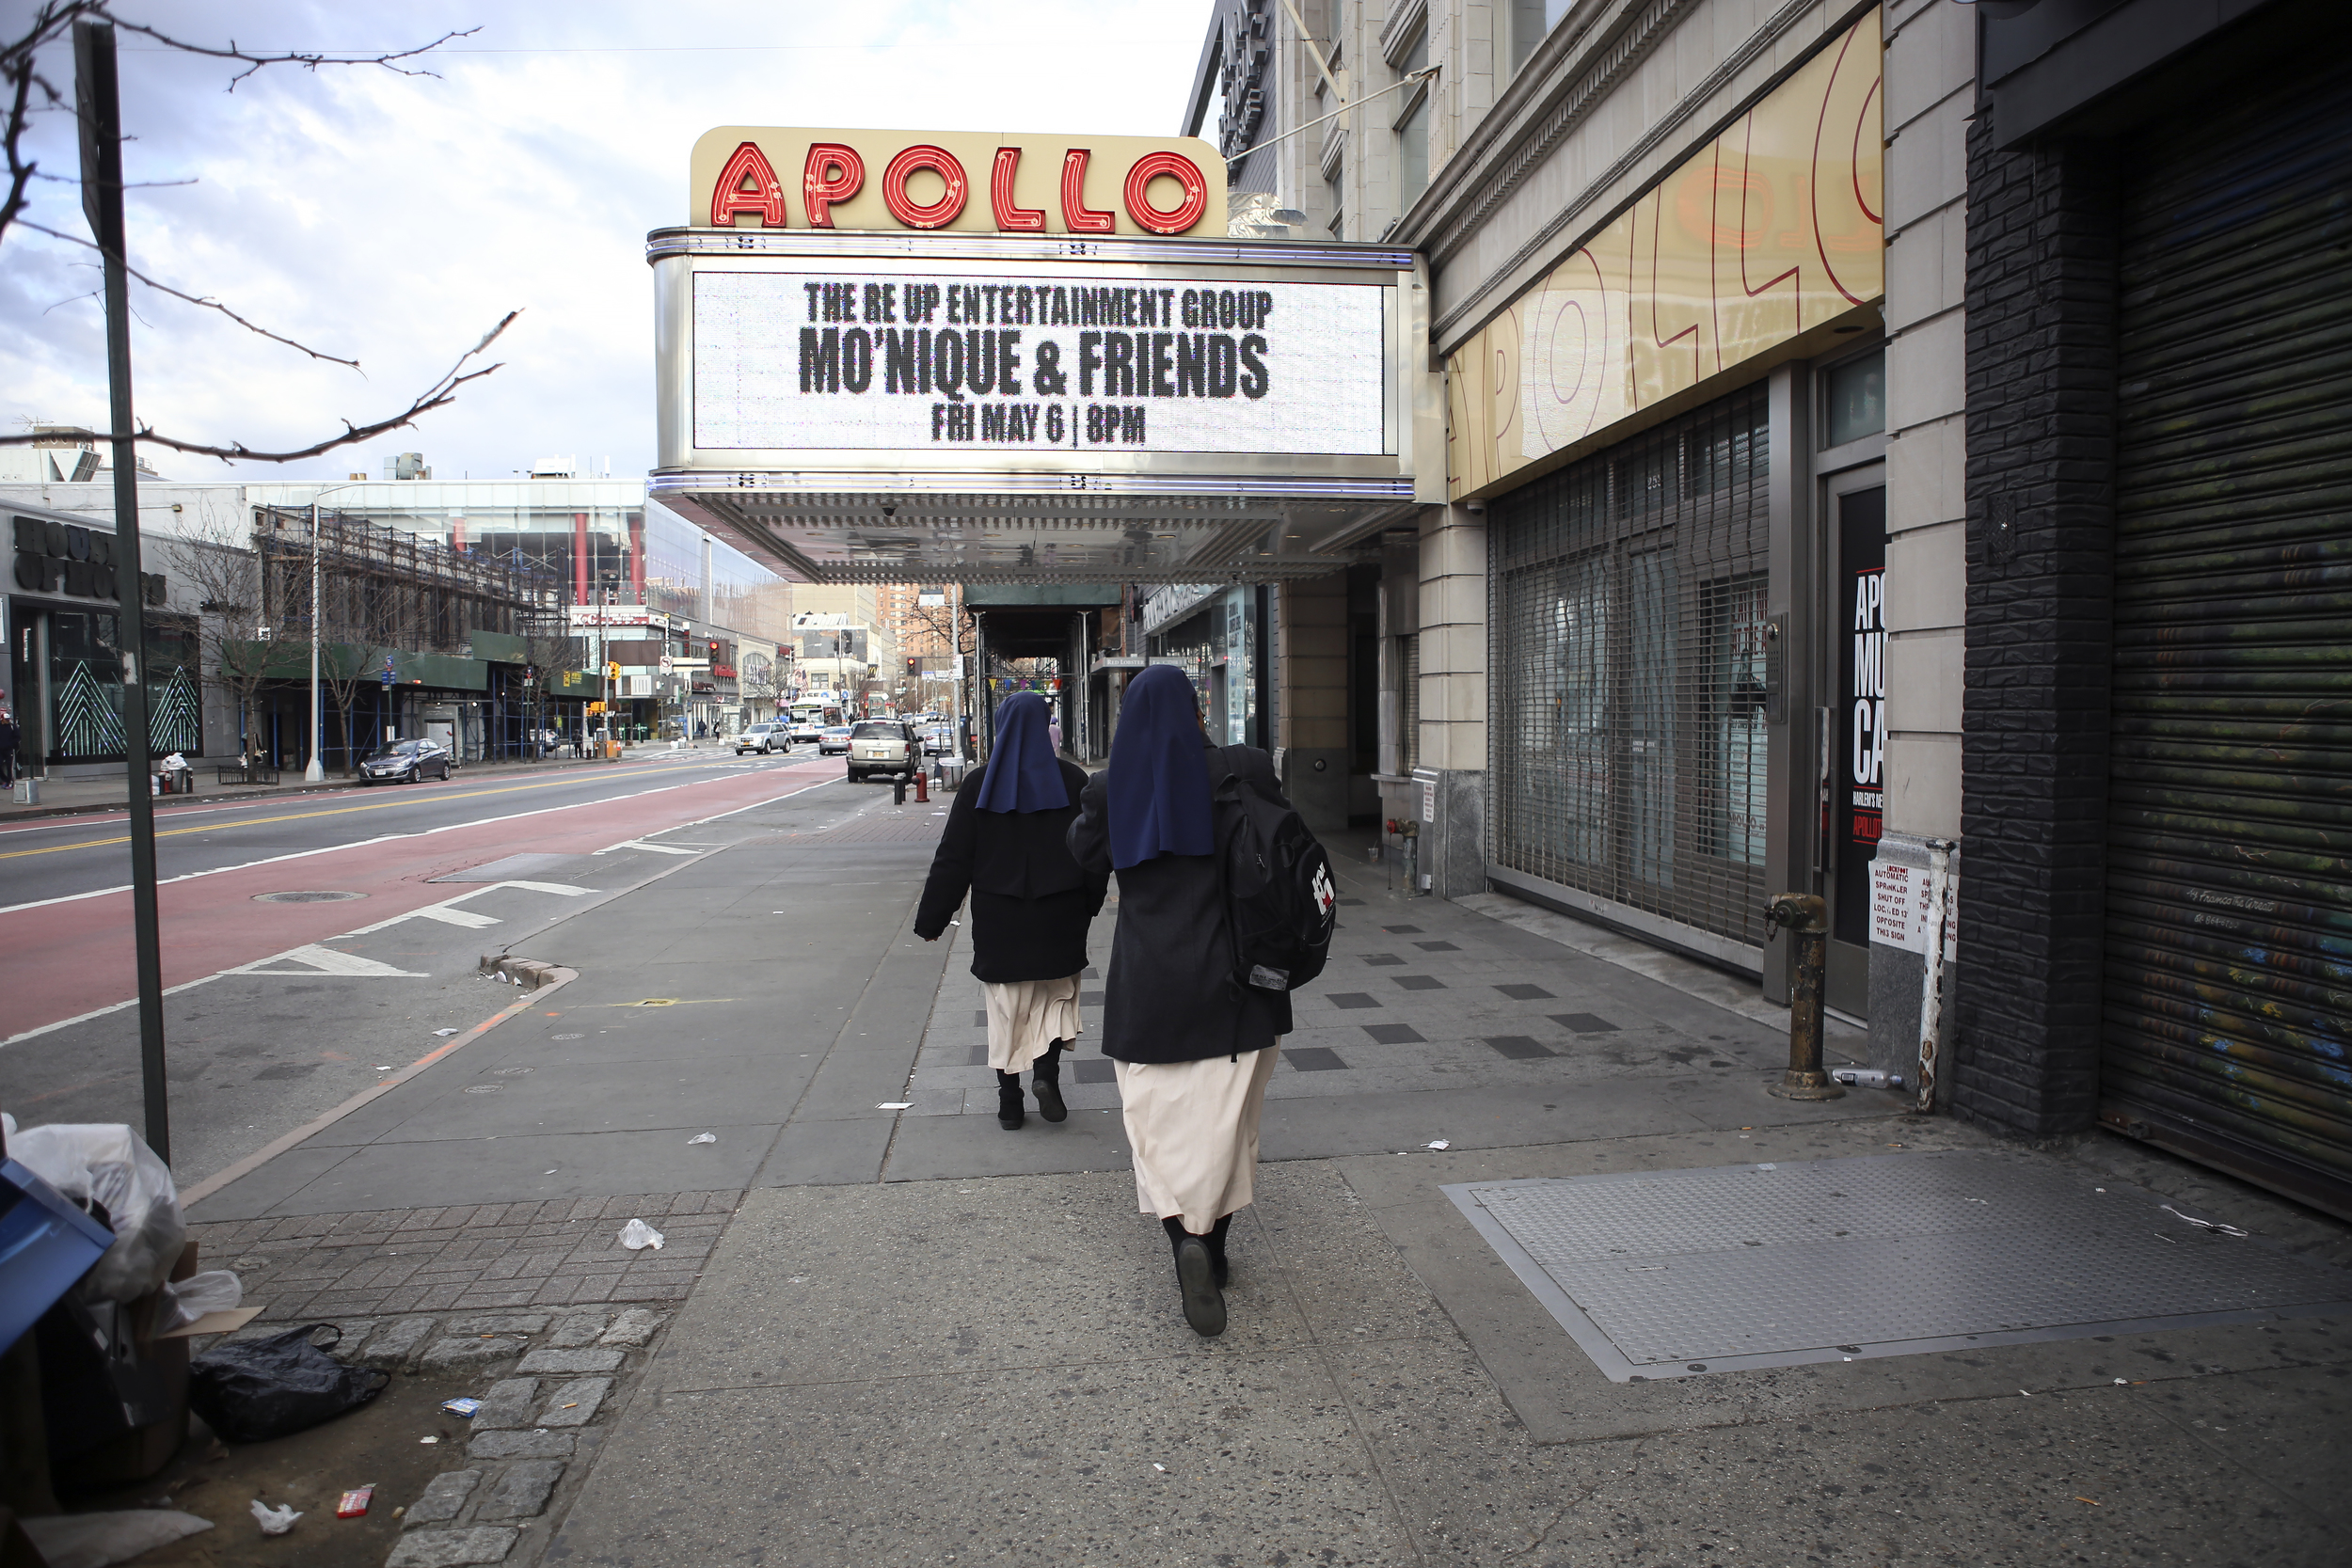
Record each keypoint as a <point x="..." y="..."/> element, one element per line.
<point x="393" y="219"/>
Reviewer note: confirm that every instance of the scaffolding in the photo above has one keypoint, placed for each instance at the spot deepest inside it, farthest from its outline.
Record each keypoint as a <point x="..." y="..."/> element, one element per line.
<point x="384" y="587"/>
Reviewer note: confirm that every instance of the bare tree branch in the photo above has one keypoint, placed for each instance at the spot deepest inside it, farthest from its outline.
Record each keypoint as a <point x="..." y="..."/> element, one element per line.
<point x="205" y="302"/>
<point x="307" y="61"/>
<point x="441" y="393"/>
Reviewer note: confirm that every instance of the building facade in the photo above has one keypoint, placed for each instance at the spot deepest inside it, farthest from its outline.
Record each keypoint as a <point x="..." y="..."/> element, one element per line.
<point x="608" y="554"/>
<point x="1872" y="470"/>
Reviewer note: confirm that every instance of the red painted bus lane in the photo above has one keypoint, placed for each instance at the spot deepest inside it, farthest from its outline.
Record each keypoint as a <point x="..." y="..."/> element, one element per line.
<point x="72" y="958"/>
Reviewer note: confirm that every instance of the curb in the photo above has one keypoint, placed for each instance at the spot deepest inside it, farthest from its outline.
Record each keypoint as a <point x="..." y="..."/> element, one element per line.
<point x="549" y="978"/>
<point x="30" y="813"/>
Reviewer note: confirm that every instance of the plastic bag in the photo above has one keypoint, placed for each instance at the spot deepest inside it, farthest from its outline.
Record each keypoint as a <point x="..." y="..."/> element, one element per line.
<point x="636" y="1234"/>
<point x="273" y="1521"/>
<point x="186" y="1300"/>
<point x="252" y="1390"/>
<point x="106" y="1166"/>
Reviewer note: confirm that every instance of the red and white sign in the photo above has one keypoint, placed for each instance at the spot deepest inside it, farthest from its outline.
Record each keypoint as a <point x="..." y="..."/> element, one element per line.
<point x="762" y="177"/>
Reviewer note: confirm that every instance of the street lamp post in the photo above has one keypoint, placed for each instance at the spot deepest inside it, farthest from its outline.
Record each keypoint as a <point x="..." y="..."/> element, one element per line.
<point x="314" y="773"/>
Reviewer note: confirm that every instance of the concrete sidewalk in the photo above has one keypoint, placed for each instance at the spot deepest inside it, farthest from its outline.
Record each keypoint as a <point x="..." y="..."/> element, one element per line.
<point x="913" y="1338"/>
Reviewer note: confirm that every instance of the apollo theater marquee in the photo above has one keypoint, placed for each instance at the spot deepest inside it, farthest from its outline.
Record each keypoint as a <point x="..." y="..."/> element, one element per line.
<point x="893" y="354"/>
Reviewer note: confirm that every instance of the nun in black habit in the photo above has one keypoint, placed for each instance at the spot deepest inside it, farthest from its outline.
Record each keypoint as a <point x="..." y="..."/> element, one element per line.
<point x="1192" y="1047"/>
<point x="1006" y="844"/>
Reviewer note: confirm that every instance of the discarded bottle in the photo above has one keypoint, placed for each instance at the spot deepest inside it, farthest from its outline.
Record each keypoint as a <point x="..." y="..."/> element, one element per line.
<point x="1867" y="1078"/>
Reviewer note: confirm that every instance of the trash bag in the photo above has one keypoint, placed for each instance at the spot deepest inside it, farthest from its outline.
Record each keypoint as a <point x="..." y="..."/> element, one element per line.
<point x="252" y="1390"/>
<point x="186" y="1300"/>
<point x="106" y="1166"/>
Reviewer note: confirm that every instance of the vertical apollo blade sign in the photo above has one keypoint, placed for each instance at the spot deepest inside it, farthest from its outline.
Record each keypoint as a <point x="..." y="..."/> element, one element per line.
<point x="98" y="109"/>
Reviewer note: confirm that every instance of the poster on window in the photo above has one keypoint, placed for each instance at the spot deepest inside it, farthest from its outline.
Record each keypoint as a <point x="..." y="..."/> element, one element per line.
<point x="1858" y="727"/>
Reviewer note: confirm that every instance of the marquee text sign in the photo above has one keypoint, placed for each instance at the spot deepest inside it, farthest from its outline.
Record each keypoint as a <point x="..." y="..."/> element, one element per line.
<point x="1013" y="358"/>
<point x="960" y="181"/>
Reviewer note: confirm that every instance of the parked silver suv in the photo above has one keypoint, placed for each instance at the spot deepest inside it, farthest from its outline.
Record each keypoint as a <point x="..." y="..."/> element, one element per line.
<point x="883" y="746"/>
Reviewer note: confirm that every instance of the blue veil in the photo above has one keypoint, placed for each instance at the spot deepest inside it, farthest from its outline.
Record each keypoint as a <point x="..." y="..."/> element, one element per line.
<point x="1022" y="773"/>
<point x="1159" y="772"/>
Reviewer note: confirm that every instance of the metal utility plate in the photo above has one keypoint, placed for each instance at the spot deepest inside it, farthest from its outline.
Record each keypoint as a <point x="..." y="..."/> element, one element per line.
<point x="1672" y="1273"/>
<point x="514" y="867"/>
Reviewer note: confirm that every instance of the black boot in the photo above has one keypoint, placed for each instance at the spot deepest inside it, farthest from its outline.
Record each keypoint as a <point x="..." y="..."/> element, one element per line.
<point x="1197" y="1281"/>
<point x="1008" y="1114"/>
<point x="1046" y="1075"/>
<point x="1216" y="1240"/>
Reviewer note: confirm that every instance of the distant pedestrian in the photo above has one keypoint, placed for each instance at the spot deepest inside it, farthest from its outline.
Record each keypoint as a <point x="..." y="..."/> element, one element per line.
<point x="1194" y="1047"/>
<point x="1052" y="729"/>
<point x="1005" y="843"/>
<point x="8" y="738"/>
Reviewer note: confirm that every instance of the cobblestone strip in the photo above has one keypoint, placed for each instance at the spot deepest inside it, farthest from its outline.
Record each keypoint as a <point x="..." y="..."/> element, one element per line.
<point x="539" y="1299"/>
<point x="401" y="1263"/>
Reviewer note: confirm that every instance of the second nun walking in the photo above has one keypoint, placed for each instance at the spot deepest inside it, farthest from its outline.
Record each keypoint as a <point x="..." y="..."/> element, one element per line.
<point x="1005" y="844"/>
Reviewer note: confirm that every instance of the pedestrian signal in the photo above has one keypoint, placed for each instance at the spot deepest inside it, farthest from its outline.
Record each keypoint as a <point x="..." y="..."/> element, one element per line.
<point x="612" y="670"/>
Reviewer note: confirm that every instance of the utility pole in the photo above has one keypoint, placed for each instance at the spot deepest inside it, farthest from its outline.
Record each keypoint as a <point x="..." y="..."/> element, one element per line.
<point x="98" y="108"/>
<point x="316" y="773"/>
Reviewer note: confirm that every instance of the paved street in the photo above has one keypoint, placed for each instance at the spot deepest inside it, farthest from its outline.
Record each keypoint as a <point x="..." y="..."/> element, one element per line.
<point x="904" y="1335"/>
<point x="279" y="1010"/>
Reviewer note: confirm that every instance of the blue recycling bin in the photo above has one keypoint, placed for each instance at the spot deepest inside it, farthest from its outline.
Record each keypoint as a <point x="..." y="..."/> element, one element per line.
<point x="46" y="1246"/>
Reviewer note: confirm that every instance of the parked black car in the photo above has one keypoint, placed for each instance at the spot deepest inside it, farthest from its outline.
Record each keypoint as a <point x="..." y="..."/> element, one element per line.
<point x="406" y="761"/>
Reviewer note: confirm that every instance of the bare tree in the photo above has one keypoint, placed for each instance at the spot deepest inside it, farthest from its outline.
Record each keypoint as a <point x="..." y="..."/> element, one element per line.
<point x="553" y="651"/>
<point x="31" y="87"/>
<point x="216" y="560"/>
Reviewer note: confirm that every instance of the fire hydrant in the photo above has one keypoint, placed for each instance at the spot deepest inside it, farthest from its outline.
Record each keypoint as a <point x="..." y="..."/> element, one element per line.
<point x="922" y="785"/>
<point x="1806" y="917"/>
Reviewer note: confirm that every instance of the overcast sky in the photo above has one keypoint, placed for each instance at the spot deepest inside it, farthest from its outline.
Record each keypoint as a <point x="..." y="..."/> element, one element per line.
<point x="393" y="219"/>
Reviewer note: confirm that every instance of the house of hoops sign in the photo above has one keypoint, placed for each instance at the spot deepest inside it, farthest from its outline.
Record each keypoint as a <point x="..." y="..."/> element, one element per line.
<point x="750" y="177"/>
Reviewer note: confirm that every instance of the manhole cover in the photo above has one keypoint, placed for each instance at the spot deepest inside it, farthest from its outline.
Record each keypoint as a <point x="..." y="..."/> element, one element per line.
<point x="306" y="897"/>
<point x="1656" y="1274"/>
<point x="482" y="1089"/>
<point x="509" y="1072"/>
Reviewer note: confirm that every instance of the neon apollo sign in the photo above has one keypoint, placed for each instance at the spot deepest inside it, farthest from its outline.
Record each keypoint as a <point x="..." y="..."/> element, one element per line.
<point x="1111" y="354"/>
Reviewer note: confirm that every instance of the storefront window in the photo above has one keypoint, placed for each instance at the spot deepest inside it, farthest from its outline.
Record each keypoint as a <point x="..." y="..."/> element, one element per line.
<point x="84" y="686"/>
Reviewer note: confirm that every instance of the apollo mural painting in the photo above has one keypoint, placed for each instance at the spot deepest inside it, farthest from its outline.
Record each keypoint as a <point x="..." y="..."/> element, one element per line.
<point x="1769" y="231"/>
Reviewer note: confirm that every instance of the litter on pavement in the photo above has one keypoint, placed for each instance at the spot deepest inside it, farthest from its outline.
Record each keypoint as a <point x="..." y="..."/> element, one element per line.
<point x="2203" y="1224"/>
<point x="354" y="1503"/>
<point x="428" y="1439"/>
<point x="896" y="1106"/>
<point x="461" y="1407"/>
<point x="273" y="1521"/>
<point x="703" y="1138"/>
<point x="636" y="1233"/>
<point x="1437" y="1142"/>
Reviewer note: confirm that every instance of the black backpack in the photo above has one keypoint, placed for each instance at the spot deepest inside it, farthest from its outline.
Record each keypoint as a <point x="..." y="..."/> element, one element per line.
<point x="1280" y="900"/>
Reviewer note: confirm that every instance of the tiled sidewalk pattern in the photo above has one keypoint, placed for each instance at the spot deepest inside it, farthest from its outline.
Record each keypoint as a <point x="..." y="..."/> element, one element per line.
<point x="1418" y="994"/>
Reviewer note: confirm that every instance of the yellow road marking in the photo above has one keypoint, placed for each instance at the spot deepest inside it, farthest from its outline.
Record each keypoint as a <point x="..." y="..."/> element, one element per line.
<point x="296" y="817"/>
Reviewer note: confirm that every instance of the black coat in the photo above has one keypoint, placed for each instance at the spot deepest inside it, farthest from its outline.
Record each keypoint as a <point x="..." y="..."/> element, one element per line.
<point x="1030" y="902"/>
<point x="1173" y="995"/>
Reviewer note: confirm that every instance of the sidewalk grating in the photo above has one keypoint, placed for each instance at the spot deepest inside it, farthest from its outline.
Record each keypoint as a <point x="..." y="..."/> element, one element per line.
<point x="1665" y="1274"/>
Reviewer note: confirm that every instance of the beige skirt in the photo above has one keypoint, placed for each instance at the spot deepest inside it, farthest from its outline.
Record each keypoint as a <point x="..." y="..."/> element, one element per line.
<point x="1193" y="1127"/>
<point x="1025" y="1017"/>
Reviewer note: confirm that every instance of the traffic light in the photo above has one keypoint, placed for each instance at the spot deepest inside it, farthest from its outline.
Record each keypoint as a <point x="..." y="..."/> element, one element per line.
<point x="594" y="708"/>
<point x="612" y="670"/>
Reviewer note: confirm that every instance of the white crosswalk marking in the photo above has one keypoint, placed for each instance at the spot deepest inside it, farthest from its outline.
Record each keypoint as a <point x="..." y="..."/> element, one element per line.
<point x="448" y="916"/>
<point x="325" y="960"/>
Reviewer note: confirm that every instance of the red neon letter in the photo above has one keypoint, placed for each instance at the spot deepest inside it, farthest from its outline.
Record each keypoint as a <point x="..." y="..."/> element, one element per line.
<point x="1000" y="194"/>
<point x="1176" y="220"/>
<point x="765" y="195"/>
<point x="833" y="173"/>
<point x="939" y="214"/>
<point x="1075" y="214"/>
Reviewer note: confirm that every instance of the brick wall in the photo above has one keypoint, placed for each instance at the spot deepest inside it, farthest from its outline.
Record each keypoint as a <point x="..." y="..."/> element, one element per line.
<point x="2041" y="433"/>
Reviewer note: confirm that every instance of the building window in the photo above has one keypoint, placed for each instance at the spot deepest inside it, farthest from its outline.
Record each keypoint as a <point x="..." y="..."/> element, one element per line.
<point x="1529" y="20"/>
<point x="1336" y="182"/>
<point x="1412" y="152"/>
<point x="1855" y="392"/>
